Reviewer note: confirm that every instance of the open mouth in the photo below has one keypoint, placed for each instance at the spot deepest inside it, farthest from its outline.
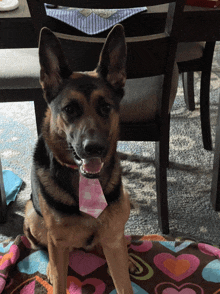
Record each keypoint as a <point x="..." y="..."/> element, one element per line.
<point x="89" y="167"/>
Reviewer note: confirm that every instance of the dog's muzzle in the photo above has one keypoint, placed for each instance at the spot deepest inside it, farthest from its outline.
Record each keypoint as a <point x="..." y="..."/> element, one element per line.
<point x="92" y="159"/>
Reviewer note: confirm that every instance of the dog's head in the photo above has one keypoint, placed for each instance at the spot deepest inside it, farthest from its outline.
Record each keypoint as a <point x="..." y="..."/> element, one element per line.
<point x="83" y="115"/>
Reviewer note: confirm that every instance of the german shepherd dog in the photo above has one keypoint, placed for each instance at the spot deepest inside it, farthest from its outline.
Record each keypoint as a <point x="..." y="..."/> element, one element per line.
<point x="79" y="138"/>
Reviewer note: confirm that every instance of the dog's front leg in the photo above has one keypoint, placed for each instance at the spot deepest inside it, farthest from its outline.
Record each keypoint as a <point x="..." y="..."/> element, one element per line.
<point x="58" y="265"/>
<point x="116" y="255"/>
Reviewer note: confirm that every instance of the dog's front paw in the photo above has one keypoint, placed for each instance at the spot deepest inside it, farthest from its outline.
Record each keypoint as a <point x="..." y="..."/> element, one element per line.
<point x="132" y="265"/>
<point x="49" y="274"/>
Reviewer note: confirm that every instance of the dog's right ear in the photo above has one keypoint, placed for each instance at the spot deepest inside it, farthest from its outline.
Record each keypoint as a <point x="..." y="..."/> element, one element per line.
<point x="112" y="61"/>
<point x="54" y="66"/>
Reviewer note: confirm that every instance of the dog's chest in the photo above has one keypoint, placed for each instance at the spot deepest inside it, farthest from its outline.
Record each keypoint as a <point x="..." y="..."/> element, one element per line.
<point x="75" y="232"/>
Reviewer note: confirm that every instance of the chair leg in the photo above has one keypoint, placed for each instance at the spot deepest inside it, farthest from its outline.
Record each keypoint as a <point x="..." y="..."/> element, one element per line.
<point x="204" y="110"/>
<point x="166" y="146"/>
<point x="3" y="207"/>
<point x="161" y="187"/>
<point x="188" y="89"/>
<point x="215" y="190"/>
<point x="162" y="162"/>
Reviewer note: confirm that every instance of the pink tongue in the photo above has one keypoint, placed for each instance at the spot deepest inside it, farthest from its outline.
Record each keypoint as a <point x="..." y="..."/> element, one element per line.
<point x="93" y="165"/>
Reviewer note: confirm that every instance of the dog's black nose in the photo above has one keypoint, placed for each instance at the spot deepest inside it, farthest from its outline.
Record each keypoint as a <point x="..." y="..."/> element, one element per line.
<point x="93" y="148"/>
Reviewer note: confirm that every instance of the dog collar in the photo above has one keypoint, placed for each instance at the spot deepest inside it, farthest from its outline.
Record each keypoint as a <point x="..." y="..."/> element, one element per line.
<point x="73" y="166"/>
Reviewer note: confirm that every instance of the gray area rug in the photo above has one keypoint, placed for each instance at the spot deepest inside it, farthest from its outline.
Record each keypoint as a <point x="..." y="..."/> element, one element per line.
<point x="189" y="175"/>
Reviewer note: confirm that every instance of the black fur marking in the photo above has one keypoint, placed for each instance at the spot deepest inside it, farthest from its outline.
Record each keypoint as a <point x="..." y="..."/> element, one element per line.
<point x="62" y="176"/>
<point x="114" y="195"/>
<point x="58" y="205"/>
<point x="85" y="85"/>
<point x="41" y="153"/>
<point x="90" y="240"/>
<point x="35" y="201"/>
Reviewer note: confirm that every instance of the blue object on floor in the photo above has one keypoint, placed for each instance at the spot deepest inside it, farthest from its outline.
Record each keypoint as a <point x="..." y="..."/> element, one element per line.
<point x="12" y="185"/>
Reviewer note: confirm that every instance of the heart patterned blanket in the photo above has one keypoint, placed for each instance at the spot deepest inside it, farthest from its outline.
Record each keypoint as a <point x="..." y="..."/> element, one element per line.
<point x="163" y="267"/>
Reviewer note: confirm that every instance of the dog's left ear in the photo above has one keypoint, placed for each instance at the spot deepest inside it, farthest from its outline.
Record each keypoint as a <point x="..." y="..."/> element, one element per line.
<point x="112" y="61"/>
<point x="54" y="66"/>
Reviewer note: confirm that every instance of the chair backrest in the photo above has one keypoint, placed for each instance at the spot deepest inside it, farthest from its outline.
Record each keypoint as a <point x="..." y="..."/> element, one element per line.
<point x="148" y="55"/>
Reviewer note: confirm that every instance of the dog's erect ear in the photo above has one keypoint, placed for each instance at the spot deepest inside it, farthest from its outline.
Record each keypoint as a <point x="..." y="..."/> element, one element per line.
<point x="112" y="62"/>
<point x="54" y="66"/>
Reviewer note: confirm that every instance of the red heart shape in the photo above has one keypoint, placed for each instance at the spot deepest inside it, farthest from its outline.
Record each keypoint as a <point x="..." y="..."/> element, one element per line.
<point x="177" y="268"/>
<point x="74" y="285"/>
<point x="167" y="287"/>
<point x="84" y="263"/>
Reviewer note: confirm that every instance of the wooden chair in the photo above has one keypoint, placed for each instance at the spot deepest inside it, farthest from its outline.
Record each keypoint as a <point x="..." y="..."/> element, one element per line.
<point x="191" y="57"/>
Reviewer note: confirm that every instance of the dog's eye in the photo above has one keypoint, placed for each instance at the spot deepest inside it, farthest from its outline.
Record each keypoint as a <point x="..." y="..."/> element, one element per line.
<point x="72" y="110"/>
<point x="104" y="108"/>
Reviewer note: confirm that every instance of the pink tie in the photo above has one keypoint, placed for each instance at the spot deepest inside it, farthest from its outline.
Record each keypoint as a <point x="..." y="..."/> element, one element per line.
<point x="91" y="198"/>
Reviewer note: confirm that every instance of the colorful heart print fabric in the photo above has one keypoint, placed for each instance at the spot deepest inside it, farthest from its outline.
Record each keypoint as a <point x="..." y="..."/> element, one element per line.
<point x="162" y="267"/>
